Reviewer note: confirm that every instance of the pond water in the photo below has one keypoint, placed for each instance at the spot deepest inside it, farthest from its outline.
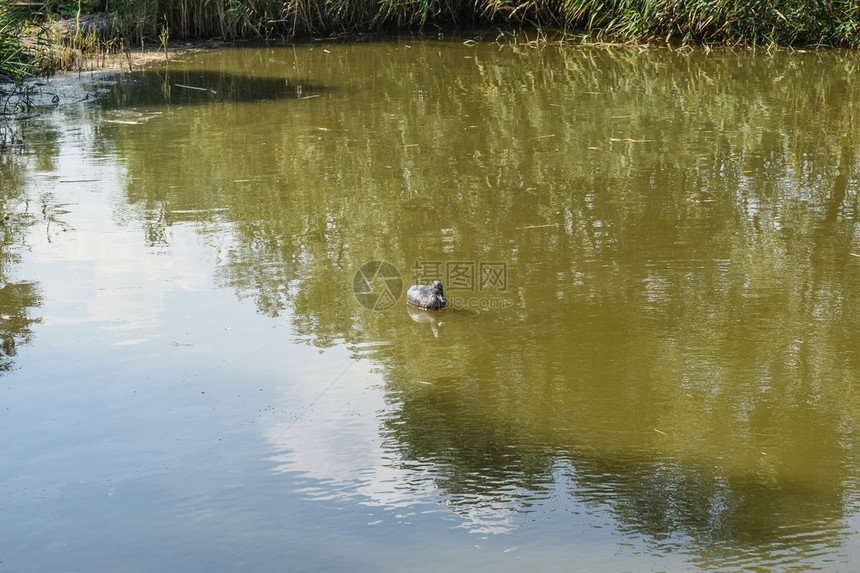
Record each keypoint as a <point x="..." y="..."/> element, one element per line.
<point x="649" y="361"/>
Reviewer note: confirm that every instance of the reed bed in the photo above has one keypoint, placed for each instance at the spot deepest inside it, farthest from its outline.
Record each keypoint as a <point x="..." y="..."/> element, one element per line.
<point x="756" y="22"/>
<point x="732" y="22"/>
<point x="15" y="63"/>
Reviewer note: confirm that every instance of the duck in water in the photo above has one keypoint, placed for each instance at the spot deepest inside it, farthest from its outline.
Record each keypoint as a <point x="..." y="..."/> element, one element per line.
<point x="429" y="297"/>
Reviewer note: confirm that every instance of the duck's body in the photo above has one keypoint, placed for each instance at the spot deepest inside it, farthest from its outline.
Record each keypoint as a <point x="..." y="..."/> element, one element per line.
<point x="430" y="297"/>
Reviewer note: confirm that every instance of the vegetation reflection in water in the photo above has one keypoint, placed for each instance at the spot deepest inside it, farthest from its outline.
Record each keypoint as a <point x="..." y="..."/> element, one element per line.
<point x="18" y="298"/>
<point x="679" y="234"/>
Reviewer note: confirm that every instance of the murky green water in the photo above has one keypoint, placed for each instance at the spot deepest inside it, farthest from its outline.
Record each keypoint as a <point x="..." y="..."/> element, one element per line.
<point x="650" y="361"/>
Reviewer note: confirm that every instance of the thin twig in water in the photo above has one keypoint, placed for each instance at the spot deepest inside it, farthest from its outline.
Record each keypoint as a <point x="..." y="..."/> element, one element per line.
<point x="192" y="88"/>
<point x="536" y="226"/>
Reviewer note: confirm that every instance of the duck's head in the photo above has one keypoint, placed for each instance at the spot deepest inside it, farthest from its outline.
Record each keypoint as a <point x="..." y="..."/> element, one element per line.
<point x="436" y="287"/>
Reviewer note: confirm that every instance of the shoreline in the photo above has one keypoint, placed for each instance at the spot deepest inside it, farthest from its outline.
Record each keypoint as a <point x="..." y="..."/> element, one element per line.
<point x="66" y="86"/>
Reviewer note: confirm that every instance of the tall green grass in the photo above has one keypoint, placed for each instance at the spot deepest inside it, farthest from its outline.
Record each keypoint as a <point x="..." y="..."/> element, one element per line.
<point x="770" y="22"/>
<point x="780" y="22"/>
<point x="15" y="63"/>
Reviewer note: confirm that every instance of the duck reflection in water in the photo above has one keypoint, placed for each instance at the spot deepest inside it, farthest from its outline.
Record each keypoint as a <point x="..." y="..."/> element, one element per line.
<point x="433" y="319"/>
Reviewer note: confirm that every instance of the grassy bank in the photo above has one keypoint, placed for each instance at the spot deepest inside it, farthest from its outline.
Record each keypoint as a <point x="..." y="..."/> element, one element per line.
<point x="779" y="22"/>
<point x="15" y="62"/>
<point x="18" y="62"/>
<point x="733" y="22"/>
